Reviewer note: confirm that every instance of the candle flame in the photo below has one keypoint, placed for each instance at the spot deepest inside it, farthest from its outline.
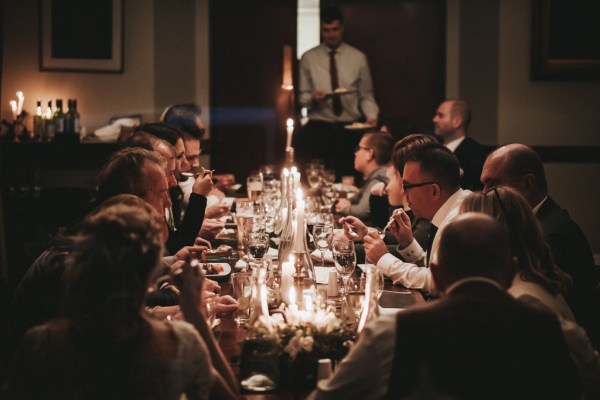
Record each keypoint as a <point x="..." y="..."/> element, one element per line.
<point x="286" y="172"/>
<point x="294" y="170"/>
<point x="20" y="94"/>
<point x="290" y="123"/>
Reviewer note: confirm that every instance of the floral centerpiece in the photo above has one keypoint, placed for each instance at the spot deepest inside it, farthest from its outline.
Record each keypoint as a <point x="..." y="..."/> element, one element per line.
<point x="319" y="335"/>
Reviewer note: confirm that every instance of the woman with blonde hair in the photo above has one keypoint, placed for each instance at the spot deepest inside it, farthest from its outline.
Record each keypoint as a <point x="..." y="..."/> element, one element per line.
<point x="537" y="275"/>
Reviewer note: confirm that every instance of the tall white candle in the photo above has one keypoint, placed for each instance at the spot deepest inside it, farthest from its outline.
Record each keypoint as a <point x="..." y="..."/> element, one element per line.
<point x="287" y="68"/>
<point x="290" y="132"/>
<point x="20" y="99"/>
<point x="13" y="108"/>
<point x="299" y="242"/>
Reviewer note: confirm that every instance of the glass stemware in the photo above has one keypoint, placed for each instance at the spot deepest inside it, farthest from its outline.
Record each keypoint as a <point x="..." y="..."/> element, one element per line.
<point x="258" y="245"/>
<point x="344" y="256"/>
<point x="322" y="234"/>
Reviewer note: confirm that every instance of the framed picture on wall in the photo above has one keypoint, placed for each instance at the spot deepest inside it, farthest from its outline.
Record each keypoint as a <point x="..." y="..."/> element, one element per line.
<point x="81" y="36"/>
<point x="565" y="40"/>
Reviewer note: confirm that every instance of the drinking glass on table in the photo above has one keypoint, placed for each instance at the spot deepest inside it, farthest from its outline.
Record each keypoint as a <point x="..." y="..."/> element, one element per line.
<point x="355" y="294"/>
<point x="322" y="234"/>
<point x="344" y="257"/>
<point x="258" y="245"/>
<point x="254" y="184"/>
<point x="241" y="285"/>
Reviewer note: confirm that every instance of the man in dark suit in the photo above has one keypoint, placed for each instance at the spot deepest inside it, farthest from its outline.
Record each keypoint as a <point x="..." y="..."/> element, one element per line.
<point x="521" y="168"/>
<point x="451" y="121"/>
<point x="476" y="342"/>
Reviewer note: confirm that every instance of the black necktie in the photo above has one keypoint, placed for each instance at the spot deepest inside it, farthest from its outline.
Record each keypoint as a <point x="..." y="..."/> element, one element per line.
<point x="432" y="231"/>
<point x="337" y="103"/>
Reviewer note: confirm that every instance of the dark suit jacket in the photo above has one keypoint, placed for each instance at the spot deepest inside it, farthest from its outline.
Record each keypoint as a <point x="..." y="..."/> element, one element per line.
<point x="572" y="253"/>
<point x="471" y="156"/>
<point x="480" y="343"/>
<point x="189" y="228"/>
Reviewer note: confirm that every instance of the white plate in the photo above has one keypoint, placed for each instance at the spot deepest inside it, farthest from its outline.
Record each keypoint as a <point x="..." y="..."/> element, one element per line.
<point x="340" y="92"/>
<point x="358" y="127"/>
<point x="226" y="270"/>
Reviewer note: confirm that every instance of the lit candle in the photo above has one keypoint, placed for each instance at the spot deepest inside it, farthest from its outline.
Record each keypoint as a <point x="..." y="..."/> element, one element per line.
<point x="13" y="107"/>
<point x="299" y="242"/>
<point x="20" y="99"/>
<point x="290" y="132"/>
<point x="292" y="306"/>
<point x="287" y="68"/>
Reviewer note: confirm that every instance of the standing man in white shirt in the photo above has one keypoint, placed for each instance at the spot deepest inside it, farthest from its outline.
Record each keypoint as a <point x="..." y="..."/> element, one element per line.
<point x="451" y="121"/>
<point x="336" y="88"/>
<point x="432" y="186"/>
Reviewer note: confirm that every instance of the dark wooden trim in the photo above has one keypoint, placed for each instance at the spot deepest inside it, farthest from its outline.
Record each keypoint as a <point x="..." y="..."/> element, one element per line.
<point x="565" y="154"/>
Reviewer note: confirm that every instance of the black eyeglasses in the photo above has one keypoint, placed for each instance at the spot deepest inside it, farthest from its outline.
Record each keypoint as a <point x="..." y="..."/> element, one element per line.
<point x="497" y="196"/>
<point x="406" y="186"/>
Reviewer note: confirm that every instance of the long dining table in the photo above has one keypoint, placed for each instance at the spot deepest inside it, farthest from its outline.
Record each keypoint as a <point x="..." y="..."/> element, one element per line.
<point x="231" y="337"/>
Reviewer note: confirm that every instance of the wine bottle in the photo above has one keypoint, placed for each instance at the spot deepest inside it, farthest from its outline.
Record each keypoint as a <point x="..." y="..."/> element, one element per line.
<point x="72" y="118"/>
<point x="48" y="123"/>
<point x="38" y="121"/>
<point x="58" y="119"/>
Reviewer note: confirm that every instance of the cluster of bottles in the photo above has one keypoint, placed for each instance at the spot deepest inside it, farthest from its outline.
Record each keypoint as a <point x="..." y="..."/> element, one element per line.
<point x="48" y="125"/>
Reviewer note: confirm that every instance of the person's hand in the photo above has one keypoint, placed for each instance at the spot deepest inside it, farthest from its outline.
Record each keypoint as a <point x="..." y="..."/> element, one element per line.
<point x="216" y="211"/>
<point x="342" y="204"/>
<point x="375" y="248"/>
<point x="198" y="252"/>
<point x="189" y="278"/>
<point x="372" y="122"/>
<point x="401" y="228"/>
<point x="224" y="181"/>
<point x="166" y="313"/>
<point x="211" y="286"/>
<point x="202" y="242"/>
<point x="354" y="225"/>
<point x="211" y="228"/>
<point x="319" y="96"/>
<point x="204" y="183"/>
<point x="226" y="304"/>
<point x="378" y="189"/>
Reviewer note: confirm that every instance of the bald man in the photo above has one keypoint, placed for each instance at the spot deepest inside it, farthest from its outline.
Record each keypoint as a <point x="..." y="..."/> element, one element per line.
<point x="475" y="342"/>
<point x="520" y="167"/>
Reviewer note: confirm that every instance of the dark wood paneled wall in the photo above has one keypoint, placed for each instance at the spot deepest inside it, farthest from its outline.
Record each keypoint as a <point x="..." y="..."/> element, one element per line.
<point x="404" y="41"/>
<point x="246" y="53"/>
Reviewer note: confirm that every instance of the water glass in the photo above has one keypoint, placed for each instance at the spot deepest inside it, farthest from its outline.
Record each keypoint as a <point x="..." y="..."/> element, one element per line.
<point x="241" y="285"/>
<point x="344" y="256"/>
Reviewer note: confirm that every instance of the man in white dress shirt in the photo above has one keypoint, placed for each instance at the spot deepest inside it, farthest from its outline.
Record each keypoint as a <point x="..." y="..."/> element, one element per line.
<point x="432" y="186"/>
<point x="336" y="88"/>
<point x="475" y="342"/>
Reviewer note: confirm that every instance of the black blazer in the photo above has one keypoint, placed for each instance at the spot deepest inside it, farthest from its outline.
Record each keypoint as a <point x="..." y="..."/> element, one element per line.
<point x="572" y="253"/>
<point x="471" y="156"/>
<point x="480" y="343"/>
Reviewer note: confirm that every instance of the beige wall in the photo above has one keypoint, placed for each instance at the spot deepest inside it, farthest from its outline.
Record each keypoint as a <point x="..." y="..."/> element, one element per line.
<point x="517" y="109"/>
<point x="146" y="85"/>
<point x="99" y="96"/>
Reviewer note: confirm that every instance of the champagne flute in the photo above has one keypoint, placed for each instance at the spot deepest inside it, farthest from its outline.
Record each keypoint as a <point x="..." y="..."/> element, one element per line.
<point x="344" y="256"/>
<point x="322" y="234"/>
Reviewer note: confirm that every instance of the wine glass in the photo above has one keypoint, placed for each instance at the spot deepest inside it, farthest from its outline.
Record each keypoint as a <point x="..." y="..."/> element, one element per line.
<point x="344" y="256"/>
<point x="322" y="234"/>
<point x="355" y="294"/>
<point x="258" y="245"/>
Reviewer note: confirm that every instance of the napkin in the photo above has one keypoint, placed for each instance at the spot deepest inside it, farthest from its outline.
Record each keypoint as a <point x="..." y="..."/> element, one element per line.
<point x="322" y="274"/>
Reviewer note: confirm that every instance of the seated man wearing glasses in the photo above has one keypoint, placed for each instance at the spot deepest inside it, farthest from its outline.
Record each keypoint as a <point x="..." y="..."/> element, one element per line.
<point x="432" y="188"/>
<point x="372" y="154"/>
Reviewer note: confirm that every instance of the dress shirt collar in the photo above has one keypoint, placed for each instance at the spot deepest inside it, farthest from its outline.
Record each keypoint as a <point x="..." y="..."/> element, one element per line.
<point x="481" y="279"/>
<point x="540" y="204"/>
<point x="452" y="145"/>
<point x="338" y="50"/>
<point x="448" y="206"/>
